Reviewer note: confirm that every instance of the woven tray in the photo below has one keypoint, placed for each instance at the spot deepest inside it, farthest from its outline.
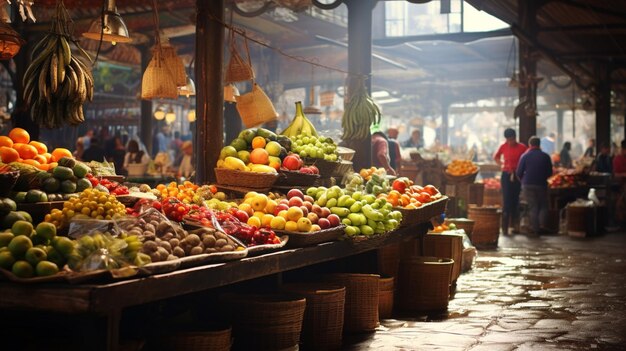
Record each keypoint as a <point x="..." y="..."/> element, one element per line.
<point x="262" y="249"/>
<point x="287" y="178"/>
<point x="468" y="178"/>
<point x="298" y="239"/>
<point x="252" y="180"/>
<point x="424" y="213"/>
<point x="327" y="168"/>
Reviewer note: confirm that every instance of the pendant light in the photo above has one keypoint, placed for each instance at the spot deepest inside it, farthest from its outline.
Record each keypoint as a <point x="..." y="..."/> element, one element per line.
<point x="159" y="114"/>
<point x="191" y="115"/>
<point x="170" y="116"/>
<point x="10" y="41"/>
<point x="312" y="109"/>
<point x="109" y="27"/>
<point x="188" y="89"/>
<point x="230" y="91"/>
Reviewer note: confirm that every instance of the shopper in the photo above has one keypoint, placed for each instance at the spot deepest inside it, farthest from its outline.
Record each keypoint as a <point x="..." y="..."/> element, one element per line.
<point x="590" y="151"/>
<point x="534" y="169"/>
<point x="604" y="163"/>
<point x="94" y="152"/>
<point x="415" y="140"/>
<point x="395" y="158"/>
<point x="511" y="151"/>
<point x="565" y="160"/>
<point x="380" y="152"/>
<point x="548" y="143"/>
<point x="619" y="162"/>
<point x="134" y="155"/>
<point x="186" y="165"/>
<point x="80" y="149"/>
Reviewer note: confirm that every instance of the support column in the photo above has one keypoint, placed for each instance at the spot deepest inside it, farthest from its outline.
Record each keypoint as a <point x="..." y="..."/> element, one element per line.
<point x="232" y="121"/>
<point x="603" y="106"/>
<point x="445" y="121"/>
<point x="527" y="109"/>
<point x="559" y="129"/>
<point x="360" y="62"/>
<point x="21" y="114"/>
<point x="209" y="136"/>
<point x="145" y="124"/>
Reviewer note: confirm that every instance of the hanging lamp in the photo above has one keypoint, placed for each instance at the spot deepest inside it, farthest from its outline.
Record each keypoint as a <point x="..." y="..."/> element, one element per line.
<point x="191" y="115"/>
<point x="109" y="27"/>
<point x="170" y="116"/>
<point x="312" y="109"/>
<point x="188" y="89"/>
<point x="159" y="114"/>
<point x="10" y="41"/>
<point x="230" y="91"/>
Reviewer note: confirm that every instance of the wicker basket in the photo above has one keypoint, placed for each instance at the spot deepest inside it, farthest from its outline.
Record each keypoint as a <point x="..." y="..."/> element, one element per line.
<point x="424" y="213"/>
<point x="255" y="107"/>
<point x="462" y="223"/>
<point x="345" y="153"/>
<point x="292" y="178"/>
<point x="238" y="70"/>
<point x="214" y="340"/>
<point x="446" y="246"/>
<point x="175" y="65"/>
<point x="492" y="197"/>
<point x="265" y="322"/>
<point x="326" y="168"/>
<point x="253" y="180"/>
<point x="299" y="239"/>
<point x="7" y="182"/>
<point x="157" y="81"/>
<point x="361" y="312"/>
<point x="385" y="297"/>
<point x="468" y="178"/>
<point x="424" y="283"/>
<point x="486" y="227"/>
<point x="389" y="260"/>
<point x="322" y="328"/>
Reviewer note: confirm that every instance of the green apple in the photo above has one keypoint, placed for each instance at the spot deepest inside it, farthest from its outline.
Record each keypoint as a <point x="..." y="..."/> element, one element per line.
<point x="34" y="255"/>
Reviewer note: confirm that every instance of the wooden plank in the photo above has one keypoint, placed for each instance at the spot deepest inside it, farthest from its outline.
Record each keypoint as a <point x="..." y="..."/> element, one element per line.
<point x="53" y="298"/>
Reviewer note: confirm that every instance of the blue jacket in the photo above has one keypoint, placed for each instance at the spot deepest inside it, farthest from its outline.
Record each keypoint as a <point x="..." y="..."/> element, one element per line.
<point x="534" y="167"/>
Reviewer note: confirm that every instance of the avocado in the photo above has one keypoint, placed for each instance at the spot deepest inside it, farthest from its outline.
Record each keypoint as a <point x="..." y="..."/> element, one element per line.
<point x="80" y="170"/>
<point x="20" y="196"/>
<point x="62" y="173"/>
<point x="82" y="184"/>
<point x="51" y="185"/>
<point x="266" y="134"/>
<point x="68" y="187"/>
<point x="35" y="195"/>
<point x="11" y="218"/>
<point x="7" y="205"/>
<point x="26" y="216"/>
<point x="67" y="162"/>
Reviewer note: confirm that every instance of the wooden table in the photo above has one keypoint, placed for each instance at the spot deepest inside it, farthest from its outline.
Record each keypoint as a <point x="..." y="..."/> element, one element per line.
<point x="105" y="302"/>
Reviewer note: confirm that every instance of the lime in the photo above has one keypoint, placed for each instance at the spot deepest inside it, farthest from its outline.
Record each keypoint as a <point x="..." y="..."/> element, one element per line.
<point x="239" y="144"/>
<point x="228" y="151"/>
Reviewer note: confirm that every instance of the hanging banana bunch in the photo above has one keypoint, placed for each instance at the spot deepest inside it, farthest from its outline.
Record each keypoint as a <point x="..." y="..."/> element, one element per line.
<point x="57" y="83"/>
<point x="360" y="113"/>
<point x="300" y="125"/>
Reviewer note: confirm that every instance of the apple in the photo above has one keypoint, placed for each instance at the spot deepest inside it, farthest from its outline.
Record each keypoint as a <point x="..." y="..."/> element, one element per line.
<point x="325" y="212"/>
<point x="315" y="228"/>
<point x="305" y="210"/>
<point x="292" y="162"/>
<point x="295" y="193"/>
<point x="306" y="170"/>
<point x="334" y="220"/>
<point x="313" y="218"/>
<point x="314" y="169"/>
<point x="283" y="202"/>
<point x="295" y="201"/>
<point x="242" y="216"/>
<point x="317" y="209"/>
<point x="294" y="214"/>
<point x="308" y="198"/>
<point x="304" y="225"/>
<point x="324" y="223"/>
<point x="280" y="207"/>
<point x="308" y="205"/>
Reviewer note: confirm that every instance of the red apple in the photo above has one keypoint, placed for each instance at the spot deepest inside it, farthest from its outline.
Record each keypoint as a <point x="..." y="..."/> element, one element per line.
<point x="305" y="211"/>
<point x="309" y="199"/>
<point x="324" y="223"/>
<point x="242" y="216"/>
<point x="334" y="220"/>
<point x="280" y="207"/>
<point x="284" y="202"/>
<point x="314" y="169"/>
<point x="313" y="217"/>
<point x="295" y="193"/>
<point x="317" y="209"/>
<point x="308" y="205"/>
<point x="292" y="162"/>
<point x="306" y="170"/>
<point x="325" y="212"/>
<point x="295" y="201"/>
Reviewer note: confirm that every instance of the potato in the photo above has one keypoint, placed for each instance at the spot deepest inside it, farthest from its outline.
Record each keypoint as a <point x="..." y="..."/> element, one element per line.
<point x="196" y="250"/>
<point x="178" y="252"/>
<point x="227" y="248"/>
<point x="193" y="239"/>
<point x="210" y="250"/>
<point x="149" y="228"/>
<point x="209" y="240"/>
<point x="220" y="235"/>
<point x="171" y="258"/>
<point x="150" y="246"/>
<point x="163" y="253"/>
<point x="149" y="236"/>
<point x="163" y="227"/>
<point x="168" y="236"/>
<point x="221" y="242"/>
<point x="174" y="242"/>
<point x="166" y="245"/>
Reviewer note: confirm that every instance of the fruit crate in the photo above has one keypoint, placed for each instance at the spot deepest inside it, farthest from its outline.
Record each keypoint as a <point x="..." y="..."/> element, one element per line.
<point x="424" y="213"/>
<point x="326" y="168"/>
<point x="288" y="178"/>
<point x="299" y="239"/>
<point x="244" y="179"/>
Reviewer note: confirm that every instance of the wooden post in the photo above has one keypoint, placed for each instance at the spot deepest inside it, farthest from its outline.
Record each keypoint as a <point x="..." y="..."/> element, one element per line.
<point x="528" y="70"/>
<point x="145" y="123"/>
<point x="603" y="106"/>
<point x="232" y="121"/>
<point x="209" y="136"/>
<point x="559" y="129"/>
<point x="360" y="62"/>
<point x="445" y="121"/>
<point x="21" y="114"/>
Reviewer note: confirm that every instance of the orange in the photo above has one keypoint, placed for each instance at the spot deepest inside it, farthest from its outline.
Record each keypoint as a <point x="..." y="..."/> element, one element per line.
<point x="48" y="157"/>
<point x="41" y="147"/>
<point x="60" y="152"/>
<point x="258" y="142"/>
<point x="19" y="135"/>
<point x="32" y="163"/>
<point x="41" y="159"/>
<point x="8" y="154"/>
<point x="259" y="157"/>
<point x="27" y="151"/>
<point x="6" y="141"/>
<point x="52" y="165"/>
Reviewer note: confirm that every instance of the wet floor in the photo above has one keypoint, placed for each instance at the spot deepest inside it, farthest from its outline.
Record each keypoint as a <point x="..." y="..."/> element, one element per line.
<point x="547" y="293"/>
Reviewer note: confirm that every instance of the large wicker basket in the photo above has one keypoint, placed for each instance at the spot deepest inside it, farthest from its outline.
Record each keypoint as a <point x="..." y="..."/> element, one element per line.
<point x="322" y="328"/>
<point x="424" y="213"/>
<point x="213" y="340"/>
<point x="462" y="223"/>
<point x="389" y="260"/>
<point x="468" y="178"/>
<point x="446" y="246"/>
<point x="492" y="197"/>
<point x="486" y="227"/>
<point x="265" y="322"/>
<point x="361" y="311"/>
<point x="252" y="180"/>
<point x="296" y="178"/>
<point x="385" y="297"/>
<point x="424" y="284"/>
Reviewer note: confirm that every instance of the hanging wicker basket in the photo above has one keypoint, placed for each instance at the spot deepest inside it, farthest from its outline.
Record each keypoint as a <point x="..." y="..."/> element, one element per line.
<point x="175" y="64"/>
<point x="238" y="69"/>
<point x="157" y="81"/>
<point x="255" y="107"/>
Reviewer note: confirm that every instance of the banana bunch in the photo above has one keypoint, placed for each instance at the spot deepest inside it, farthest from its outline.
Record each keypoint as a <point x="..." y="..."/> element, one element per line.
<point x="300" y="125"/>
<point x="57" y="83"/>
<point x="360" y="113"/>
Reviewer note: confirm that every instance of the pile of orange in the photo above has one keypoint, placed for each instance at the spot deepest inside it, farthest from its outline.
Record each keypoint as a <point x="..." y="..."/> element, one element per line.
<point x="413" y="197"/>
<point x="183" y="192"/>
<point x="366" y="173"/>
<point x="461" y="168"/>
<point x="17" y="147"/>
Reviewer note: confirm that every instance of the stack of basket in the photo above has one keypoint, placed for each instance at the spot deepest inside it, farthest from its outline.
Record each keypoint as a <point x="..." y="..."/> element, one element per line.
<point x="424" y="283"/>
<point x="486" y="226"/>
<point x="361" y="309"/>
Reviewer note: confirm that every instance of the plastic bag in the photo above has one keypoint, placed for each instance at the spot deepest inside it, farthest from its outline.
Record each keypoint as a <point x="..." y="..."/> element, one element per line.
<point x="97" y="250"/>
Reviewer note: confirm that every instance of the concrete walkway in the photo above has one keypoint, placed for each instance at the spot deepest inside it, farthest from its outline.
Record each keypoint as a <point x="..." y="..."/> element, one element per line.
<point x="546" y="293"/>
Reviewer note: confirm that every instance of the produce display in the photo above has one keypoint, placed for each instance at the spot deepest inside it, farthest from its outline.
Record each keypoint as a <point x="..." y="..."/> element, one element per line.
<point x="9" y="213"/>
<point x="409" y="196"/>
<point x="254" y="150"/>
<point x="565" y="178"/>
<point x="293" y="163"/>
<point x="360" y="113"/>
<point x="99" y="250"/>
<point x="461" y="168"/>
<point x="17" y="148"/>
<point x="91" y="203"/>
<point x="492" y="183"/>
<point x="300" y="125"/>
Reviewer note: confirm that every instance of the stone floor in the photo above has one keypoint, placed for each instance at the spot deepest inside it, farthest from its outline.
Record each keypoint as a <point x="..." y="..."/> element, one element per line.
<point x="546" y="293"/>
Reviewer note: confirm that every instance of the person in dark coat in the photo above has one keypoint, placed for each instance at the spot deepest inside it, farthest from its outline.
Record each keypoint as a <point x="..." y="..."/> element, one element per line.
<point x="94" y="152"/>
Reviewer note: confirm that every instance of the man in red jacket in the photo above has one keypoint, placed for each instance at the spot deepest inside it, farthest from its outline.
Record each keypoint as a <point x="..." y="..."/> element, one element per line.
<point x="511" y="151"/>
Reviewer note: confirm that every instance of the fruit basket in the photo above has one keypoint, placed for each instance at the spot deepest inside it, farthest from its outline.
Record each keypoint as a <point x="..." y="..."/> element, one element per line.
<point x="326" y="168"/>
<point x="345" y="153"/>
<point x="299" y="239"/>
<point x="262" y="249"/>
<point x="424" y="213"/>
<point x="38" y="210"/>
<point x="252" y="180"/>
<point x="467" y="178"/>
<point x="288" y="178"/>
<point x="343" y="168"/>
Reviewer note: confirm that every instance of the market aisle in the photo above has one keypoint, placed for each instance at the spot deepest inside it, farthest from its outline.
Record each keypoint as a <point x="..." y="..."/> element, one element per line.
<point x="548" y="293"/>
